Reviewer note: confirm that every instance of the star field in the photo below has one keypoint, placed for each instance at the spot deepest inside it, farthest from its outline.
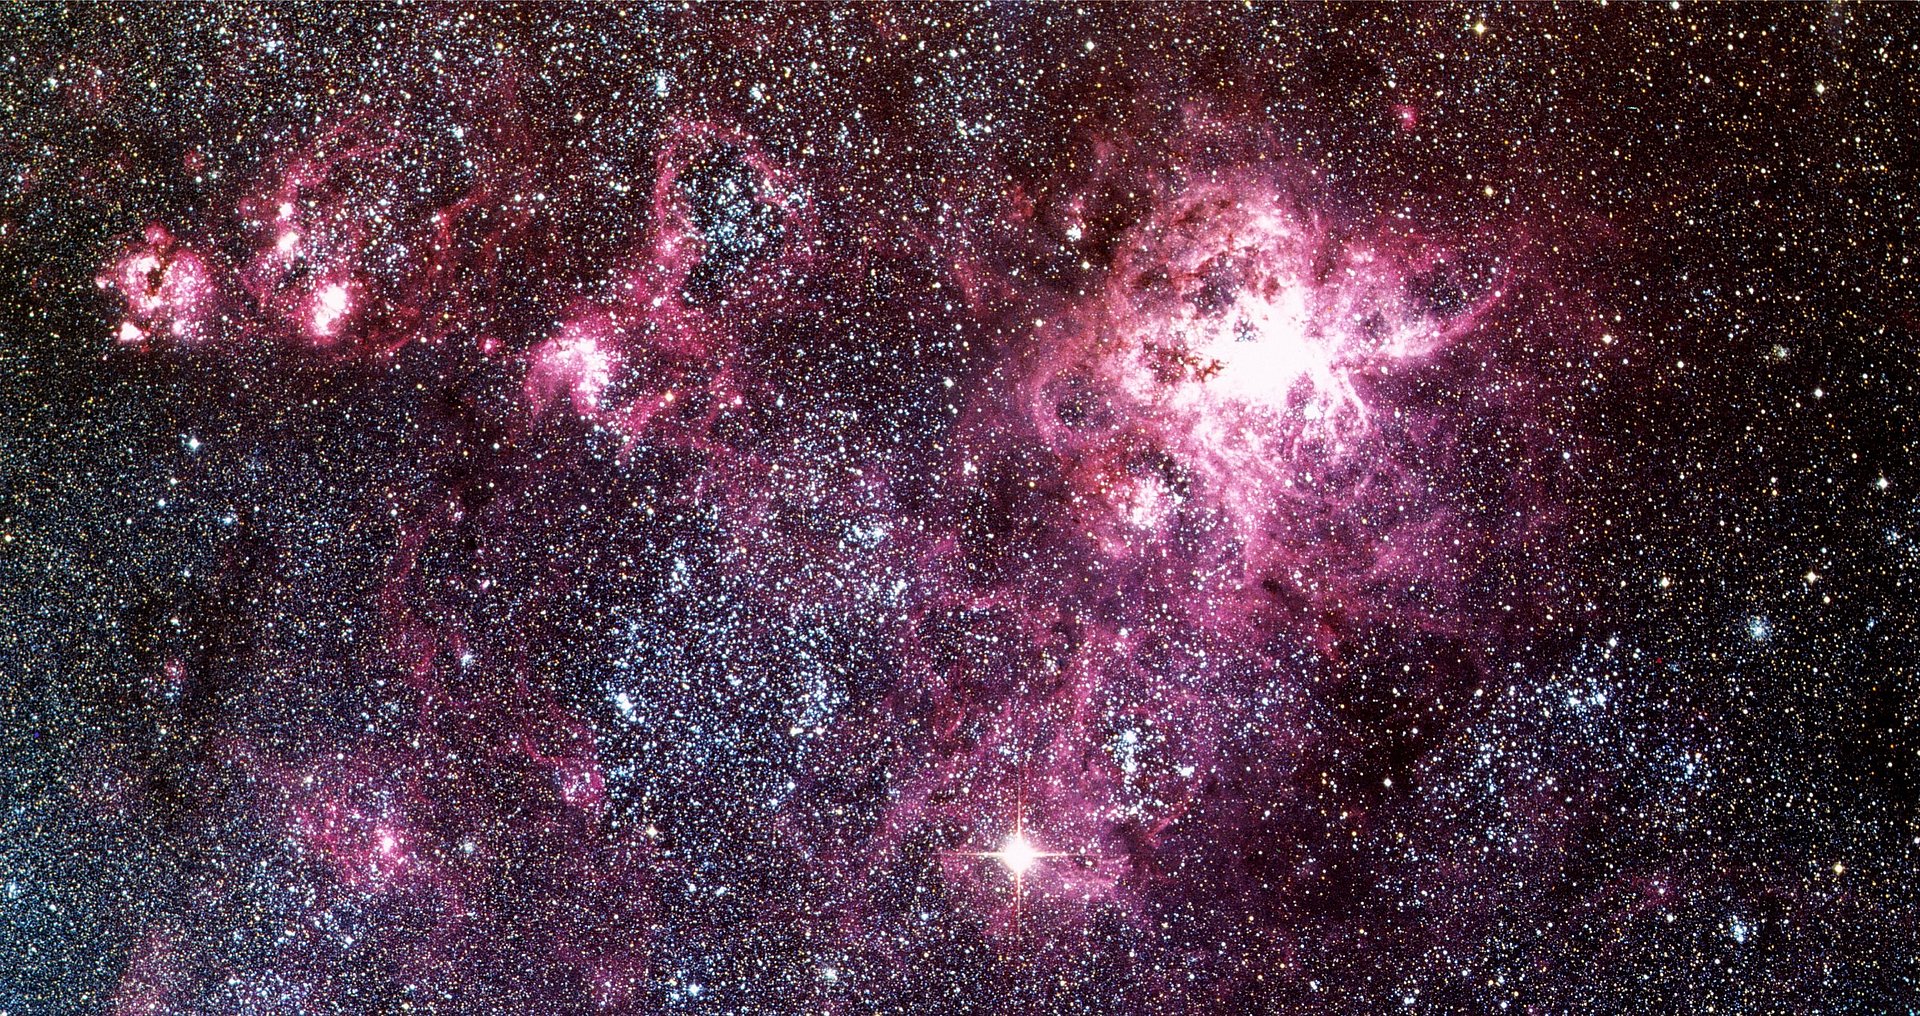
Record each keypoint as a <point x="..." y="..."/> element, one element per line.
<point x="961" y="509"/>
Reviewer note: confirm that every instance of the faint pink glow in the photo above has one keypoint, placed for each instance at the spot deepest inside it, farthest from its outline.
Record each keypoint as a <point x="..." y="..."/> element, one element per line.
<point x="581" y="783"/>
<point x="578" y="361"/>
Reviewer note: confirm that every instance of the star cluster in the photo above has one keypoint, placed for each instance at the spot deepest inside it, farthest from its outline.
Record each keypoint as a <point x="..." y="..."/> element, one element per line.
<point x="999" y="509"/>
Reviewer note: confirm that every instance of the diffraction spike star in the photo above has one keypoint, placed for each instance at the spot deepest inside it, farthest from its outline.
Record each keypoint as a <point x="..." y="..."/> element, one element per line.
<point x="1019" y="855"/>
<point x="556" y="512"/>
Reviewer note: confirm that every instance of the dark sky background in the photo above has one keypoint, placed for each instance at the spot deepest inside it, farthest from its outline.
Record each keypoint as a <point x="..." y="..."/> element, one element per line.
<point x="958" y="509"/>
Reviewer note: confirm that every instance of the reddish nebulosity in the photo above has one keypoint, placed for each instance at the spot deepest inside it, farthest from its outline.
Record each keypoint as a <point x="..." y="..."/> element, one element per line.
<point x="1211" y="470"/>
<point x="167" y="290"/>
<point x="340" y="254"/>
<point x="1030" y="511"/>
<point x="674" y="360"/>
<point x="1047" y="747"/>
<point x="563" y="746"/>
<point x="367" y="819"/>
<point x="495" y="714"/>
<point x="1187" y="480"/>
<point x="405" y="827"/>
<point x="577" y="363"/>
<point x="170" y="682"/>
<point x="311" y="229"/>
<point x="1230" y="387"/>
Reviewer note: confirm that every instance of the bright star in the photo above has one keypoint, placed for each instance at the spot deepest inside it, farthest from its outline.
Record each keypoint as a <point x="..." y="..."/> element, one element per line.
<point x="1018" y="854"/>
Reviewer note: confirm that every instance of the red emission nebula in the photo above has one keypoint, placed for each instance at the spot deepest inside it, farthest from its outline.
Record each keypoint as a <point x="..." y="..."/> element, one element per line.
<point x="978" y="509"/>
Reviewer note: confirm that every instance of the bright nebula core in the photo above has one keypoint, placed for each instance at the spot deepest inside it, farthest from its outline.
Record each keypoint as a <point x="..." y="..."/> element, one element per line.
<point x="1002" y="509"/>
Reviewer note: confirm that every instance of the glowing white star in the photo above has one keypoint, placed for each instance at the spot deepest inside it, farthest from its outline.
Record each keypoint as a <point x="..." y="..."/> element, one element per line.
<point x="1018" y="854"/>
